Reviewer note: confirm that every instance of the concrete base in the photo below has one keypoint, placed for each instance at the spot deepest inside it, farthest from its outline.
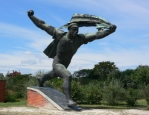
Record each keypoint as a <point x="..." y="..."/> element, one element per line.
<point x="46" y="97"/>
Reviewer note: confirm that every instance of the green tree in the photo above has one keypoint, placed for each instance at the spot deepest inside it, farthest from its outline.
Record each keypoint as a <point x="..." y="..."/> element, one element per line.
<point x="7" y="75"/>
<point x="140" y="75"/>
<point x="77" y="92"/>
<point x="1" y="76"/>
<point x="115" y="74"/>
<point x="131" y="96"/>
<point x="125" y="77"/>
<point x="83" y="76"/>
<point x="102" y="69"/>
<point x="93" y="92"/>
<point x="113" y="92"/>
<point x="145" y="92"/>
<point x="39" y="73"/>
<point x="16" y="87"/>
<point x="82" y="73"/>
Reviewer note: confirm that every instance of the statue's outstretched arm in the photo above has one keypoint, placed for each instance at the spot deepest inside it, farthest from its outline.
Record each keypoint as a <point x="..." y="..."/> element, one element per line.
<point x="100" y="34"/>
<point x="40" y="23"/>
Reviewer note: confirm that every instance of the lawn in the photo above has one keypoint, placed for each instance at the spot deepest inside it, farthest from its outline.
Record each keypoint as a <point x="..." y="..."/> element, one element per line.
<point x="14" y="104"/>
<point x="141" y="104"/>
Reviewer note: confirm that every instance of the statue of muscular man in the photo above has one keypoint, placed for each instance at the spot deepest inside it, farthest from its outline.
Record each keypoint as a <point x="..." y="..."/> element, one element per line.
<point x="67" y="46"/>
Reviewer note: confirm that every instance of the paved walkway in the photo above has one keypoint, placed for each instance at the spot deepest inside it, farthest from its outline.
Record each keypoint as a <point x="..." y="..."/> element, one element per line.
<point x="41" y="111"/>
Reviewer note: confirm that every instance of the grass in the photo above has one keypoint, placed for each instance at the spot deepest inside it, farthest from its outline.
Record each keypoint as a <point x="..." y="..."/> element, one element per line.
<point x="14" y="104"/>
<point x="141" y="104"/>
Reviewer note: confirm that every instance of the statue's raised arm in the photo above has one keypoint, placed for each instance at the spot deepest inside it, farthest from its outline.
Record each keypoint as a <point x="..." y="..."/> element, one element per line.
<point x="40" y="23"/>
<point x="85" y="20"/>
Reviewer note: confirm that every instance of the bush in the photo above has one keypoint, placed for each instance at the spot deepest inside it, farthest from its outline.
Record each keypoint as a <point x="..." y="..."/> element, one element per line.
<point x="145" y="92"/>
<point x="16" y="87"/>
<point x="147" y="100"/>
<point x="140" y="75"/>
<point x="1" y="76"/>
<point x="55" y="83"/>
<point x="113" y="92"/>
<point x="77" y="92"/>
<point x="93" y="93"/>
<point x="31" y="82"/>
<point x="10" y="96"/>
<point x="132" y="96"/>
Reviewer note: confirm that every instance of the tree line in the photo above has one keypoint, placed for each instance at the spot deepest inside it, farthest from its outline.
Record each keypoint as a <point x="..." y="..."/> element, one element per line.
<point x="105" y="83"/>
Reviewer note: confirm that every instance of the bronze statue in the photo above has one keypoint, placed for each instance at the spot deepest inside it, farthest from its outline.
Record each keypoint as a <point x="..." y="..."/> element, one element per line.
<point x="63" y="47"/>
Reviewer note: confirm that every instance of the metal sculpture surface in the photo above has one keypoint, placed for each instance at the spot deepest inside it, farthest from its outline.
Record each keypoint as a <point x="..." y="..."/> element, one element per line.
<point x="66" y="44"/>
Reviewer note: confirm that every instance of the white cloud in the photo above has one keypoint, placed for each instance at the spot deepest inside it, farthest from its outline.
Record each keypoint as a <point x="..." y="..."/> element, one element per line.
<point x="125" y="14"/>
<point x="119" y="56"/>
<point x="24" y="61"/>
<point x="32" y="62"/>
<point x="28" y="52"/>
<point x="129" y="14"/>
<point x="29" y="62"/>
<point x="38" y="39"/>
<point x="134" y="7"/>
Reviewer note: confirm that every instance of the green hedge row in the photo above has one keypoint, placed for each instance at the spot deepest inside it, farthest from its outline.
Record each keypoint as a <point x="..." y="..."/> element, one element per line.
<point x="84" y="90"/>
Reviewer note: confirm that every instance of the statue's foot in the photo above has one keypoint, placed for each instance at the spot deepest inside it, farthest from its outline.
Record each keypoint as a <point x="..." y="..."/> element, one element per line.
<point x="39" y="82"/>
<point x="71" y="103"/>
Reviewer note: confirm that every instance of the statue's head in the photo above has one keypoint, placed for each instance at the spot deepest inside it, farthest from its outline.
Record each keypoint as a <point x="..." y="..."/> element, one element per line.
<point x="73" y="29"/>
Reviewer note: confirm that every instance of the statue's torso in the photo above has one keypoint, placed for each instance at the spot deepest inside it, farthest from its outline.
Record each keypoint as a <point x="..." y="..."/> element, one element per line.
<point x="66" y="49"/>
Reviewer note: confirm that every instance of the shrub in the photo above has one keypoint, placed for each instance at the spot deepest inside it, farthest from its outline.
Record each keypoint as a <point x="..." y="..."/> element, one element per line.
<point x="140" y="75"/>
<point x="10" y="96"/>
<point x="31" y="82"/>
<point x="147" y="100"/>
<point x="145" y="92"/>
<point x="132" y="96"/>
<point x="77" y="92"/>
<point x="55" y="83"/>
<point x="1" y="76"/>
<point x="93" y="93"/>
<point x="113" y="92"/>
<point x="18" y="85"/>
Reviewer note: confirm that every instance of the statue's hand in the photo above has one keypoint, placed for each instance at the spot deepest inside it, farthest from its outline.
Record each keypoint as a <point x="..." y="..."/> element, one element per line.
<point x="30" y="13"/>
<point x="113" y="28"/>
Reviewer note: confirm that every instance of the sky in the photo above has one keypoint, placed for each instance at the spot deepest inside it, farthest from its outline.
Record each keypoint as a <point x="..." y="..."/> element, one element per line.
<point x="22" y="43"/>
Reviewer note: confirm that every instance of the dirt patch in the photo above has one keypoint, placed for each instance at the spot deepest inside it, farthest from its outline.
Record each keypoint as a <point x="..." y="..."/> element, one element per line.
<point x="41" y="111"/>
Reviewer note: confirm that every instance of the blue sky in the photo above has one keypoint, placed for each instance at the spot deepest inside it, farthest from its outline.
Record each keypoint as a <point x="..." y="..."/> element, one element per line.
<point x="22" y="43"/>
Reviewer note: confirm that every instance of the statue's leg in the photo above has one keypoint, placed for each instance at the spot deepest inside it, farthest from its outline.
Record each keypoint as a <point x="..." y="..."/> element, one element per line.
<point x="47" y="76"/>
<point x="62" y="72"/>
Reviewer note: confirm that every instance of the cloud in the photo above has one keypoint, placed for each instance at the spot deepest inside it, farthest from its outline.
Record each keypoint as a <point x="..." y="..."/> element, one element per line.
<point x="33" y="61"/>
<point x="90" y="5"/>
<point x="129" y="14"/>
<point x="134" y="7"/>
<point x="121" y="57"/>
<point x="29" y="62"/>
<point x="37" y="39"/>
<point x="125" y="14"/>
<point x="24" y="61"/>
<point x="28" y="52"/>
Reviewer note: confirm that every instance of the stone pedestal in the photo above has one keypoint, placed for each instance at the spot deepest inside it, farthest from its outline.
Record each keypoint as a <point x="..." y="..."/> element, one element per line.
<point x="46" y="97"/>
